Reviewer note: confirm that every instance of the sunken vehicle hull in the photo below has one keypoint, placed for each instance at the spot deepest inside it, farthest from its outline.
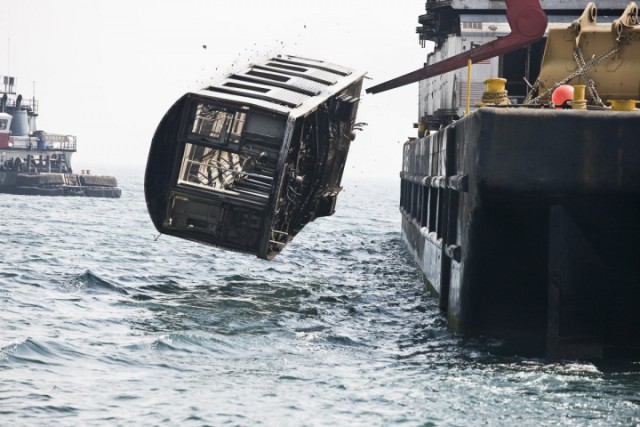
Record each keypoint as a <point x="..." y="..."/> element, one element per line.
<point x="524" y="217"/>
<point x="245" y="163"/>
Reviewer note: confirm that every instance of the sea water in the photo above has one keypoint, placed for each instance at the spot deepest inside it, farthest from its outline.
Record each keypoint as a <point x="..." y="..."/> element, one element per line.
<point x="103" y="322"/>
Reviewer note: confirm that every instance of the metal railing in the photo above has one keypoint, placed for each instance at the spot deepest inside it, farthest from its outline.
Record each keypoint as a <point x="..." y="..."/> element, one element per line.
<point x="51" y="141"/>
<point x="31" y="104"/>
<point x="60" y="142"/>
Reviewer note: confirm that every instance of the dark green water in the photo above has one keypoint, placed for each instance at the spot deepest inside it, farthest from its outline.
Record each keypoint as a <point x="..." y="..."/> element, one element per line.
<point x="104" y="325"/>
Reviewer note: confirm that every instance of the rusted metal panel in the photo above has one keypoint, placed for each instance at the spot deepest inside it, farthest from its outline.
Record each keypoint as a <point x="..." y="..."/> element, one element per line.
<point x="606" y="54"/>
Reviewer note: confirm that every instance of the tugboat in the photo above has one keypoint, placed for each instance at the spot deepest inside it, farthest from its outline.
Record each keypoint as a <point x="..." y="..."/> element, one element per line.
<point x="245" y="163"/>
<point x="520" y="198"/>
<point x="34" y="162"/>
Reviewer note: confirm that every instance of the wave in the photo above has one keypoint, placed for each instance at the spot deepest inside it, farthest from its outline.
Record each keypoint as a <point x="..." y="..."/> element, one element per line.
<point x="92" y="283"/>
<point x="29" y="351"/>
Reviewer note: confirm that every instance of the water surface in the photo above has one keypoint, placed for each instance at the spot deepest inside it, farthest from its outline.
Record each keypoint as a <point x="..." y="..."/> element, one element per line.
<point x="103" y="323"/>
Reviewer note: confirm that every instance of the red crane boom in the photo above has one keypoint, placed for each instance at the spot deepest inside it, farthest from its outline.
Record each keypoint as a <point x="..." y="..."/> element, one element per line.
<point x="528" y="24"/>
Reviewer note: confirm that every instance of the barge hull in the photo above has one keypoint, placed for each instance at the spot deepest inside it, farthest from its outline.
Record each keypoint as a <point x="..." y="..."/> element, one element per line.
<point x="524" y="222"/>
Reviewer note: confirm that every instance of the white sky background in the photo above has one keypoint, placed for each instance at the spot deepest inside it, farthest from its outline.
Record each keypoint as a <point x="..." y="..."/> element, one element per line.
<point x="107" y="71"/>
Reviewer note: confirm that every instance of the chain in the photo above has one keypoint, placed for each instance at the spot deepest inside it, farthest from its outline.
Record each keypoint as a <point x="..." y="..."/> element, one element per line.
<point x="591" y="85"/>
<point x="533" y="89"/>
<point x="582" y="69"/>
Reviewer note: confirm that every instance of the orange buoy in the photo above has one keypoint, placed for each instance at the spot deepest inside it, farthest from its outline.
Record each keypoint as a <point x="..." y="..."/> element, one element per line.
<point x="562" y="94"/>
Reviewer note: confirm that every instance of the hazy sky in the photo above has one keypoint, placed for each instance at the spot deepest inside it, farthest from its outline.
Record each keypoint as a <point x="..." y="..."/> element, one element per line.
<point x="107" y="71"/>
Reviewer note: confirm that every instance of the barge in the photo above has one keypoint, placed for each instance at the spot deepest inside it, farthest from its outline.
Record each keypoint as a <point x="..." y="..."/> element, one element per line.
<point x="521" y="208"/>
<point x="245" y="163"/>
<point x="34" y="162"/>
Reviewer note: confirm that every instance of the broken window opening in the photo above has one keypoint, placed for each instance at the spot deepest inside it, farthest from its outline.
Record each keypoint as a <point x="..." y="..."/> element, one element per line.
<point x="218" y="125"/>
<point x="213" y="169"/>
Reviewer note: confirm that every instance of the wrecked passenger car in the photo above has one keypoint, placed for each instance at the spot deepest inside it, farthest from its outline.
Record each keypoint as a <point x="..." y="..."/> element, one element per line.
<point x="246" y="163"/>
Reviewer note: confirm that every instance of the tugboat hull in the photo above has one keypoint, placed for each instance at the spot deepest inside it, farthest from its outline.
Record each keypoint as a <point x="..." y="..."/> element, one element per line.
<point x="59" y="184"/>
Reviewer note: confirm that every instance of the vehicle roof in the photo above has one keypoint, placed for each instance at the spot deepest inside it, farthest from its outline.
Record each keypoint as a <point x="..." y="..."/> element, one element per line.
<point x="286" y="84"/>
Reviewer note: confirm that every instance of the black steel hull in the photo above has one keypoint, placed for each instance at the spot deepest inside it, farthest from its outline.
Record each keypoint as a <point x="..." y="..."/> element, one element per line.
<point x="525" y="224"/>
